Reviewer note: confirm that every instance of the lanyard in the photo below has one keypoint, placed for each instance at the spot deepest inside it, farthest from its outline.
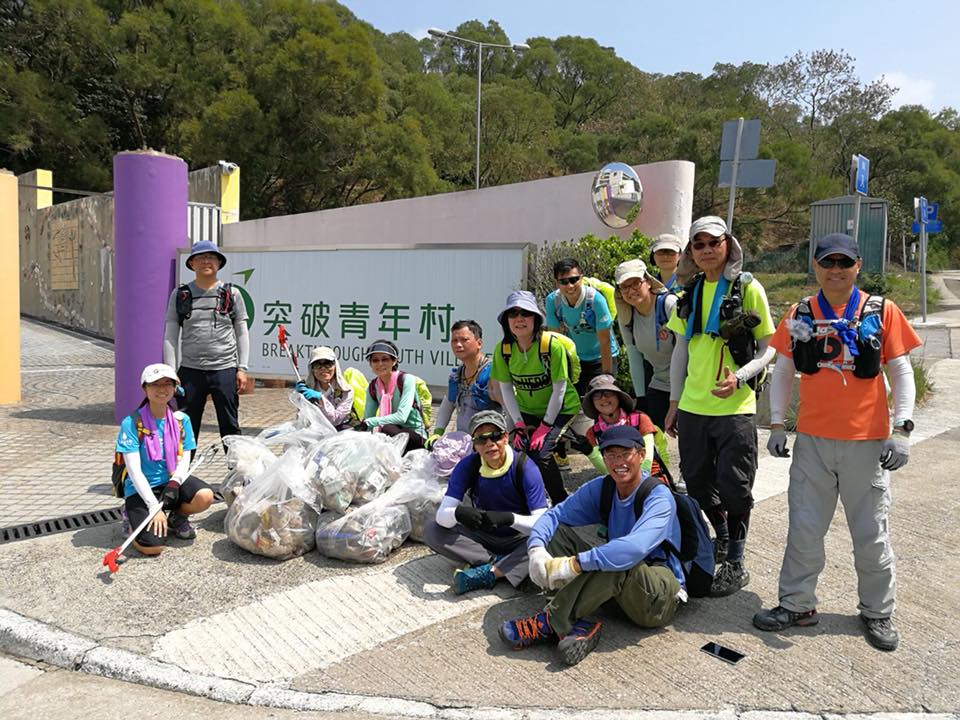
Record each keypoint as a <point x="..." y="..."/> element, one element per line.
<point x="844" y="325"/>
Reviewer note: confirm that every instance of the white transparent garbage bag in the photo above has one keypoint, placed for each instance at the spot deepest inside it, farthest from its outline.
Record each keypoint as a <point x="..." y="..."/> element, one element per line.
<point x="247" y="457"/>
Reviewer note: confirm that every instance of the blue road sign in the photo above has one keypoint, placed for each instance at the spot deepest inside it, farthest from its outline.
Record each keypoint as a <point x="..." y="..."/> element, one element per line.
<point x="862" y="174"/>
<point x="933" y="226"/>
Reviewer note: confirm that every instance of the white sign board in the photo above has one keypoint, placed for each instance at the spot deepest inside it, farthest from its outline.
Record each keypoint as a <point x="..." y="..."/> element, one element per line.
<point x="346" y="298"/>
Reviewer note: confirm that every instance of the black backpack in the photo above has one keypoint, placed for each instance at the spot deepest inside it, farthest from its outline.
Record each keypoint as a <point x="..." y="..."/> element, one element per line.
<point x="696" y="549"/>
<point x="519" y="460"/>
<point x="225" y="304"/>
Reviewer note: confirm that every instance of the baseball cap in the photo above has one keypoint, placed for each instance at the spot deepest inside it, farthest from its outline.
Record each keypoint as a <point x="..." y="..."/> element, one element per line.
<point x="152" y="373"/>
<point x="621" y="436"/>
<point x="710" y="224"/>
<point x="837" y="244"/>
<point x="667" y="242"/>
<point x="487" y="417"/>
<point x="636" y="268"/>
<point x="322" y="352"/>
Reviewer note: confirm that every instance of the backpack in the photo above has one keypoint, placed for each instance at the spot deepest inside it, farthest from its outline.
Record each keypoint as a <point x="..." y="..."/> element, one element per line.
<point x="479" y="389"/>
<point x="119" y="475"/>
<point x="546" y="338"/>
<point x="660" y="317"/>
<point x="225" y="304"/>
<point x="591" y="287"/>
<point x="808" y="355"/>
<point x="519" y="459"/>
<point x="422" y="399"/>
<point x="696" y="549"/>
<point x="355" y="379"/>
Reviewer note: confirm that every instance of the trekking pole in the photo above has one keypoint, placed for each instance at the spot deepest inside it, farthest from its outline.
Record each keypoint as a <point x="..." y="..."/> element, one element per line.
<point x="112" y="559"/>
<point x="282" y="337"/>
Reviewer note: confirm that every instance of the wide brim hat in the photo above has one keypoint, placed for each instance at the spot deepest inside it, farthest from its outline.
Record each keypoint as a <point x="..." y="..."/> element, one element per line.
<point x="203" y="247"/>
<point x="524" y="300"/>
<point x="599" y="384"/>
<point x="715" y="227"/>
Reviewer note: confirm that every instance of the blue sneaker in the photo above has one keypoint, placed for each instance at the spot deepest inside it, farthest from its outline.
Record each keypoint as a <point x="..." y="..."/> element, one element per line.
<point x="526" y="631"/>
<point x="480" y="577"/>
<point x="580" y="641"/>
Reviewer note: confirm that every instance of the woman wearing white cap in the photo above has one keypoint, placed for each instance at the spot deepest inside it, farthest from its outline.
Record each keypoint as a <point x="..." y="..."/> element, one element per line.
<point x="326" y="388"/>
<point x="155" y="442"/>
<point x="643" y="307"/>
<point x="665" y="255"/>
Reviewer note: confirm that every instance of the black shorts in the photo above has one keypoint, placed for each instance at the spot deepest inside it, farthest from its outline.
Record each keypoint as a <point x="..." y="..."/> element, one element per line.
<point x="137" y="509"/>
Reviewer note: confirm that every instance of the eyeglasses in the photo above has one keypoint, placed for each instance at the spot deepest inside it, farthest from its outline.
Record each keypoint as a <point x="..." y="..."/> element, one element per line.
<point x="572" y="280"/>
<point x="518" y="313"/>
<point x="844" y="262"/>
<point x="323" y="364"/>
<point x="698" y="246"/>
<point x="492" y="436"/>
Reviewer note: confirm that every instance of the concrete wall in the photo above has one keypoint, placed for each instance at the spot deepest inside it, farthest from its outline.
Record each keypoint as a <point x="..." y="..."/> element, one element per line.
<point x="539" y="211"/>
<point x="66" y="251"/>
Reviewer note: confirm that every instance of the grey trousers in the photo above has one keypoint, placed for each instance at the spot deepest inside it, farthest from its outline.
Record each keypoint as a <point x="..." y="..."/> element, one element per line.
<point x="478" y="547"/>
<point x="821" y="471"/>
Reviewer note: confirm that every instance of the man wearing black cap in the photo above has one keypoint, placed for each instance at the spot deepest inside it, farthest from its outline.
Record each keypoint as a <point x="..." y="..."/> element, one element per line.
<point x="506" y="498"/>
<point x="838" y="340"/>
<point x="633" y="567"/>
<point x="207" y="320"/>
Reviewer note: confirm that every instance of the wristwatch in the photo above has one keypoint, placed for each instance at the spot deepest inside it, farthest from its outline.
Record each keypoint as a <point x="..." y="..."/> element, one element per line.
<point x="904" y="426"/>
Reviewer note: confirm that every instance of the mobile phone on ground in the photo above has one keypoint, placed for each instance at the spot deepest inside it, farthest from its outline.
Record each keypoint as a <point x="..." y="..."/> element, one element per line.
<point x="723" y="653"/>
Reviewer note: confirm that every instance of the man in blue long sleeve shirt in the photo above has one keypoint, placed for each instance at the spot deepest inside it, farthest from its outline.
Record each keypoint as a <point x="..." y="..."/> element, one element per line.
<point x="632" y="568"/>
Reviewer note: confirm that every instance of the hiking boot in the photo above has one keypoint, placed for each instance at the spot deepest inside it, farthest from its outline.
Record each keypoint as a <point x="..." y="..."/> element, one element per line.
<point x="720" y="549"/>
<point x="473" y="578"/>
<point x="179" y="526"/>
<point x="881" y="633"/>
<point x="563" y="462"/>
<point x="779" y="618"/>
<point x="125" y="528"/>
<point x="731" y="577"/>
<point x="526" y="631"/>
<point x="580" y="641"/>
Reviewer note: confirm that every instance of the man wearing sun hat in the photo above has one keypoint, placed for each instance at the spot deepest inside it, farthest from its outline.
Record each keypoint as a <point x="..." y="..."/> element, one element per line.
<point x="207" y="320"/>
<point x="838" y="340"/>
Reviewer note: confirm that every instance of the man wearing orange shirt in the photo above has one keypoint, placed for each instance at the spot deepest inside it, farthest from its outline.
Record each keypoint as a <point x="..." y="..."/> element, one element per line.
<point x="838" y="340"/>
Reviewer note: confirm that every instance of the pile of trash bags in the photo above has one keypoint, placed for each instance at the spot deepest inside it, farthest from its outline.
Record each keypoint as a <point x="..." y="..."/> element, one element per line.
<point x="353" y="495"/>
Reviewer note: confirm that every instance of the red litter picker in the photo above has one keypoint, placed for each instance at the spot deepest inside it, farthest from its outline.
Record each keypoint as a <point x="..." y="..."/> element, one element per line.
<point x="112" y="559"/>
<point x="282" y="337"/>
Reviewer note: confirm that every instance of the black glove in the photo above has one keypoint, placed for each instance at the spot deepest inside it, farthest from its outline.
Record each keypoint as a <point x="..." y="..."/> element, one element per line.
<point x="470" y="517"/>
<point x="170" y="497"/>
<point x="499" y="518"/>
<point x="361" y="427"/>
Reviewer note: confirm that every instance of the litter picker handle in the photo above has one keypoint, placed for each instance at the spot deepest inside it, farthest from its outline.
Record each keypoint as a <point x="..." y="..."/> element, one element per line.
<point x="282" y="338"/>
<point x="111" y="559"/>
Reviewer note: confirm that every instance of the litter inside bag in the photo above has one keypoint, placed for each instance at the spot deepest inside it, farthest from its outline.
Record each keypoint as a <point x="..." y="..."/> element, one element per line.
<point x="275" y="515"/>
<point x="247" y="457"/>
<point x="450" y="449"/>
<point x="370" y="461"/>
<point x="335" y="487"/>
<point x="367" y="535"/>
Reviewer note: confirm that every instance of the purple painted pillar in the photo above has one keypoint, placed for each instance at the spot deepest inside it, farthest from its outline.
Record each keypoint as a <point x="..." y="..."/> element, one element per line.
<point x="149" y="224"/>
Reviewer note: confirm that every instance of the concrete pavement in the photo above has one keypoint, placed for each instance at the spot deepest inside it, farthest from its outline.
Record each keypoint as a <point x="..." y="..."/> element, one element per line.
<point x="210" y="619"/>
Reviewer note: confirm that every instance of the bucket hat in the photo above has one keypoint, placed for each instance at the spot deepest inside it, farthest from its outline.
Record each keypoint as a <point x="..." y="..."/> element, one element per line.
<point x="202" y="247"/>
<point x="599" y="384"/>
<point x="522" y="299"/>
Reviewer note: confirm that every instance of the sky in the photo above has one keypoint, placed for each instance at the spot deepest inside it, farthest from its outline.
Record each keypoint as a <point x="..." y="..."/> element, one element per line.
<point x="911" y="44"/>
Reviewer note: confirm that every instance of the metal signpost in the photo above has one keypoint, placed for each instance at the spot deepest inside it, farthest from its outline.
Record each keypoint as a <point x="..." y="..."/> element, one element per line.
<point x="926" y="222"/>
<point x="859" y="176"/>
<point x="738" y="164"/>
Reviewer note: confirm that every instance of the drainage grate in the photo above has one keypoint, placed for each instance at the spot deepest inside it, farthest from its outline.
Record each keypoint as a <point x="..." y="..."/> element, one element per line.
<point x="31" y="530"/>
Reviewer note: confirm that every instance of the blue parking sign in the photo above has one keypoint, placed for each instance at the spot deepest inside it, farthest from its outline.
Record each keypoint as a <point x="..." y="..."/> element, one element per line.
<point x="863" y="174"/>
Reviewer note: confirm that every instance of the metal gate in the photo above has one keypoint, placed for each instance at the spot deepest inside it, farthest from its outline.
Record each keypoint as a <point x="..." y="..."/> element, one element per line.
<point x="203" y="222"/>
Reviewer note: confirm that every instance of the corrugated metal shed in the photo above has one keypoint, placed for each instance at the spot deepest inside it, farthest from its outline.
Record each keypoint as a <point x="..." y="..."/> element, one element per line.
<point x="836" y="215"/>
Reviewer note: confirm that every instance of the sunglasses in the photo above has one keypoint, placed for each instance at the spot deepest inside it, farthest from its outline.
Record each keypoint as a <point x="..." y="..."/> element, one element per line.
<point x="519" y="314"/>
<point x="492" y="436"/>
<point x="698" y="246"/>
<point x="323" y="364"/>
<point x="572" y="280"/>
<point x="844" y="262"/>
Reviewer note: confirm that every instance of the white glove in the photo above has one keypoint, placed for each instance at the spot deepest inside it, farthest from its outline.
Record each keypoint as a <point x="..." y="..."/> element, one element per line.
<point x="777" y="444"/>
<point x="894" y="452"/>
<point x="538" y="565"/>
<point x="560" y="571"/>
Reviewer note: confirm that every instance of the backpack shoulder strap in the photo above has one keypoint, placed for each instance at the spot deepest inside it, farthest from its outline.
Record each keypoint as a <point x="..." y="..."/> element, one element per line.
<point x="607" y="490"/>
<point x="646" y="487"/>
<point x="474" y="470"/>
<point x="546" y="344"/>
<point x="803" y="308"/>
<point x="229" y="305"/>
<point x="519" y="463"/>
<point x="873" y="306"/>
<point x="505" y="349"/>
<point x="183" y="303"/>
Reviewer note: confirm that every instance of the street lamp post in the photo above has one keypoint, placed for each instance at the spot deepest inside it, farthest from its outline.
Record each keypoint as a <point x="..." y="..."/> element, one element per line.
<point x="480" y="46"/>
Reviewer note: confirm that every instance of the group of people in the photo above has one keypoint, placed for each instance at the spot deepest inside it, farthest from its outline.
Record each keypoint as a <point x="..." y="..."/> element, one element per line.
<point x="699" y="339"/>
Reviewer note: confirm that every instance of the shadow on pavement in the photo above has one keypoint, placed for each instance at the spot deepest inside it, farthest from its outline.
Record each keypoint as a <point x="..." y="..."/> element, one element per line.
<point x="96" y="414"/>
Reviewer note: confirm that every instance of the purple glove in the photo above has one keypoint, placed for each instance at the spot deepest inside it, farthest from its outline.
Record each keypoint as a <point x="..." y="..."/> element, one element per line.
<point x="539" y="435"/>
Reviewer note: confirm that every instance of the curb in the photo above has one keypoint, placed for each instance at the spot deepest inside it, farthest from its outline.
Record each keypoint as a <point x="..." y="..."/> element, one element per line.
<point x="28" y="638"/>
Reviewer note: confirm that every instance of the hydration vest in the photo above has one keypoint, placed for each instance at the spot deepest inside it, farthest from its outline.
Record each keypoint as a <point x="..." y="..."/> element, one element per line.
<point x="823" y="350"/>
<point x="225" y="304"/>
